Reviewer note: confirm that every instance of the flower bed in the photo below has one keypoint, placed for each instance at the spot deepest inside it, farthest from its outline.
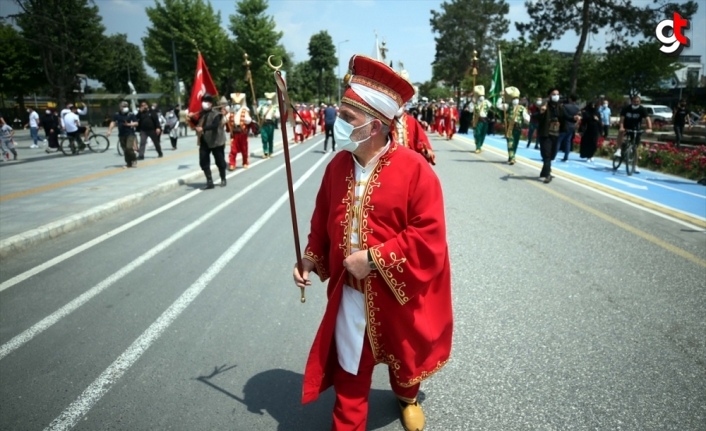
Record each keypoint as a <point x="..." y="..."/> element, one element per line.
<point x="663" y="157"/>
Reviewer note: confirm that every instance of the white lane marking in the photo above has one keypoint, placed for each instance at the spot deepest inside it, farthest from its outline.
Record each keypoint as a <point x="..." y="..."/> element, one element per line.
<point x="39" y="327"/>
<point x="95" y="391"/>
<point x="57" y="260"/>
<point x="653" y="183"/>
<point x="625" y="183"/>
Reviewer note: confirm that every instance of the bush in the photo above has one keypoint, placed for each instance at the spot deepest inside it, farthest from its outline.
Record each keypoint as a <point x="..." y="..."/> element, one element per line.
<point x="663" y="157"/>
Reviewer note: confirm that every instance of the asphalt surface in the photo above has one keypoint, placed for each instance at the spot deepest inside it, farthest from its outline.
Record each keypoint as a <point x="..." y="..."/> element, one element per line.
<point x="574" y="308"/>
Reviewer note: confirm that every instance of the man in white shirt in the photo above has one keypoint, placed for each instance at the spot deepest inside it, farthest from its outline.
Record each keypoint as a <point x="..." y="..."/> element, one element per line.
<point x="33" y="125"/>
<point x="68" y="109"/>
<point x="72" y="126"/>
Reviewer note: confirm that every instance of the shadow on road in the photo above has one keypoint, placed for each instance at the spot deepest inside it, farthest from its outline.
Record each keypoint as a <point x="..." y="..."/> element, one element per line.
<point x="278" y="393"/>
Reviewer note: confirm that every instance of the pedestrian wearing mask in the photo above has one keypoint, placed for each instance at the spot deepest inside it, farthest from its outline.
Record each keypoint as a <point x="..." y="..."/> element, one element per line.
<point x="552" y="121"/>
<point x="378" y="234"/>
<point x="681" y="118"/>
<point x="517" y="117"/>
<point x="126" y="122"/>
<point x="171" y="126"/>
<point x="534" y="122"/>
<point x="149" y="127"/>
<point x="480" y="117"/>
<point x="211" y="140"/>
<point x="268" y="114"/>
<point x="50" y="123"/>
<point x="604" y="112"/>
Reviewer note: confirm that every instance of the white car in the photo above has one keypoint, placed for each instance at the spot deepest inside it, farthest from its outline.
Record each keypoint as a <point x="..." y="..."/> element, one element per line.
<point x="659" y="113"/>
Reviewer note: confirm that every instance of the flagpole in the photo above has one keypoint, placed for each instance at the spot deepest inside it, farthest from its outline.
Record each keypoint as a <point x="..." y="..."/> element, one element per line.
<point x="248" y="77"/>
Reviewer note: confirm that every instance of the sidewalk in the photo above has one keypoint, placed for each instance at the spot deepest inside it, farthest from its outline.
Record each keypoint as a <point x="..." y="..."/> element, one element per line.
<point x="45" y="195"/>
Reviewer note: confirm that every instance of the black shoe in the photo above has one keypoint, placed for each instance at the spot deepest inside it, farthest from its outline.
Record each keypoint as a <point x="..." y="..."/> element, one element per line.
<point x="160" y="155"/>
<point x="536" y="147"/>
<point x="223" y="182"/>
<point x="140" y="157"/>
<point x="548" y="179"/>
<point x="528" y="145"/>
<point x="209" y="185"/>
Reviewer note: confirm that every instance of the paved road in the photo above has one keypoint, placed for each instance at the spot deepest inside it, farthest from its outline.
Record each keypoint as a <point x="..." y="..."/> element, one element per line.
<point x="573" y="310"/>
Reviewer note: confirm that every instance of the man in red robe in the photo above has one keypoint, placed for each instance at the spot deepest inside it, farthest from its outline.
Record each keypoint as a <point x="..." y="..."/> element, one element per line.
<point x="378" y="233"/>
<point x="450" y="119"/>
<point x="411" y="134"/>
<point x="439" y="115"/>
<point x="298" y="124"/>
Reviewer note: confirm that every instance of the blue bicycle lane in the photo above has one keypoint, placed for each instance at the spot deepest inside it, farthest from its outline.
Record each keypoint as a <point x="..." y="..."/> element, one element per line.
<point x="672" y="195"/>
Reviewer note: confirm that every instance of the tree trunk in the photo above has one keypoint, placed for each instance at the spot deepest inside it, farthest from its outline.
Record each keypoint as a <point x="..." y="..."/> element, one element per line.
<point x="585" y="24"/>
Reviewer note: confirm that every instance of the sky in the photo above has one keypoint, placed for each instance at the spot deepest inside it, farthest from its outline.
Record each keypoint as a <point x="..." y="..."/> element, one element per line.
<point x="352" y="24"/>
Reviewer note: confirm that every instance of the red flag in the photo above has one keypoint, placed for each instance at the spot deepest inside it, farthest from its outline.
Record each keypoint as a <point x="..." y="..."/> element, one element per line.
<point x="202" y="84"/>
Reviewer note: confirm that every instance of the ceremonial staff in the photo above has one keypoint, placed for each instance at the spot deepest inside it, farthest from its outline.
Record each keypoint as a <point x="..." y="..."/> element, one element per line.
<point x="286" y="111"/>
<point x="248" y="77"/>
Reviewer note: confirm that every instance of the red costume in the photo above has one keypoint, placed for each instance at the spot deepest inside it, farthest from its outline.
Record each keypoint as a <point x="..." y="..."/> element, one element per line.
<point x="411" y="134"/>
<point x="408" y="306"/>
<point x="450" y="120"/>
<point x="238" y="124"/>
<point x="393" y="209"/>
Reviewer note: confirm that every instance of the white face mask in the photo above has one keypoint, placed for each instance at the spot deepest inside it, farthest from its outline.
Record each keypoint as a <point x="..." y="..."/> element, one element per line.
<point x="635" y="106"/>
<point x="125" y="110"/>
<point x="236" y="108"/>
<point x="538" y="103"/>
<point x="555" y="98"/>
<point x="342" y="131"/>
<point x="269" y="102"/>
<point x="205" y="106"/>
<point x="605" y="104"/>
<point x="515" y="102"/>
<point x="480" y="99"/>
<point x="48" y="112"/>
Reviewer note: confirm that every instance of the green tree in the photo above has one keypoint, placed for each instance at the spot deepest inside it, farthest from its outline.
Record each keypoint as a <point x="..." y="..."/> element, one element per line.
<point x="636" y="69"/>
<point x="123" y="62"/>
<point x="255" y="35"/>
<point x="20" y="66"/>
<point x="301" y="82"/>
<point x="185" y="27"/>
<point x="550" y="19"/>
<point x="531" y="69"/>
<point x="322" y="57"/>
<point x="459" y="29"/>
<point x="68" y="36"/>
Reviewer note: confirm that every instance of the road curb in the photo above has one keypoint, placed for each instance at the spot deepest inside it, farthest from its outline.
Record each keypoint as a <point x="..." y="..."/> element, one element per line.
<point x="57" y="228"/>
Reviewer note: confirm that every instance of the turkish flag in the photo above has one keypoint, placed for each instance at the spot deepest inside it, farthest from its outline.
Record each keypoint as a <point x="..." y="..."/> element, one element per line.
<point x="202" y="84"/>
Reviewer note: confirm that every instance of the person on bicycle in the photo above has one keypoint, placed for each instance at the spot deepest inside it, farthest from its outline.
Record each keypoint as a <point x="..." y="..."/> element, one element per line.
<point x="72" y="126"/>
<point x="631" y="118"/>
<point x="126" y="122"/>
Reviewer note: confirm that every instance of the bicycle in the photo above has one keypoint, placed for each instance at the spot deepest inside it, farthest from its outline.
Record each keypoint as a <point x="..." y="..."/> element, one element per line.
<point x="629" y="152"/>
<point x="96" y="142"/>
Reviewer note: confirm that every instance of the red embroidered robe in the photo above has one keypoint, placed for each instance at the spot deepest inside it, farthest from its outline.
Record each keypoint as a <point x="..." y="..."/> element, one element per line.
<point x="408" y="300"/>
<point x="411" y="134"/>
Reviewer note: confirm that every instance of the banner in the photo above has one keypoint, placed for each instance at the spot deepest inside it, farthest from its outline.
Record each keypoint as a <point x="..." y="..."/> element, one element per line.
<point x="202" y="84"/>
<point x="496" y="86"/>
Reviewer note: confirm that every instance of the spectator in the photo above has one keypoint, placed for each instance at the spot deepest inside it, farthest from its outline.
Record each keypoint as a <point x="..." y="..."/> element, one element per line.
<point x="148" y="125"/>
<point x="50" y="123"/>
<point x="552" y="122"/>
<point x="33" y="125"/>
<point x="604" y="112"/>
<point x="590" y="126"/>
<point x="126" y="122"/>
<point x="72" y="125"/>
<point x="183" y="127"/>
<point x="566" y="138"/>
<point x="171" y="126"/>
<point x="330" y="115"/>
<point x="680" y="117"/>
<point x="8" y="142"/>
<point x="534" y="122"/>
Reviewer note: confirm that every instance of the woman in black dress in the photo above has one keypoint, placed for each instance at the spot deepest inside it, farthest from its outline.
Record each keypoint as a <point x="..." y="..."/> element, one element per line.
<point x="465" y="120"/>
<point x="590" y="130"/>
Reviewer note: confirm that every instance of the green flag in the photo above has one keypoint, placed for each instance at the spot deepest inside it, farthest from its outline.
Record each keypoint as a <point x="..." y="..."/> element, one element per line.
<point x="497" y="85"/>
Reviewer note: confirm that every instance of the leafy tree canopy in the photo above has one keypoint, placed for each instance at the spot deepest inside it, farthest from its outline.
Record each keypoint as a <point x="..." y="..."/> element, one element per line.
<point x="68" y="36"/>
<point x="123" y="61"/>
<point x="191" y="26"/>
<point x="462" y="26"/>
<point x="20" y="67"/>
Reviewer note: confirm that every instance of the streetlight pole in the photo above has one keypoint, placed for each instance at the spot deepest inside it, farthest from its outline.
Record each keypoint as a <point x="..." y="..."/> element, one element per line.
<point x="338" y="54"/>
<point x="176" y="75"/>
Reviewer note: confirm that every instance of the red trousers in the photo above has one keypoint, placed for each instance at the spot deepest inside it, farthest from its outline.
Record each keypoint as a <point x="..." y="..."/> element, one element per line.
<point x="350" y="413"/>
<point x="238" y="144"/>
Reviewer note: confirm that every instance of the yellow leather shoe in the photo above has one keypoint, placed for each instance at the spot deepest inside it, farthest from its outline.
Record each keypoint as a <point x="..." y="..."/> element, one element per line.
<point x="477" y="151"/>
<point x="412" y="416"/>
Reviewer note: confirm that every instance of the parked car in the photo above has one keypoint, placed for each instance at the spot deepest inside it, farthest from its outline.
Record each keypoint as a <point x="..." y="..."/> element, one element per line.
<point x="659" y="114"/>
